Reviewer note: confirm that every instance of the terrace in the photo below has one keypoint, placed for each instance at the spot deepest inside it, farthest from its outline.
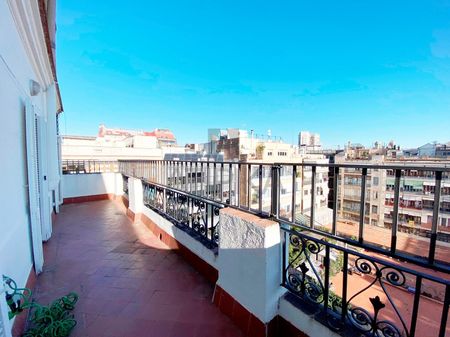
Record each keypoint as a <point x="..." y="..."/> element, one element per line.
<point x="245" y="265"/>
<point x="129" y="282"/>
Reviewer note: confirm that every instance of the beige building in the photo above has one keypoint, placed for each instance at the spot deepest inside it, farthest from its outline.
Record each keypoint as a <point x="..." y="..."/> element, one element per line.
<point x="115" y="144"/>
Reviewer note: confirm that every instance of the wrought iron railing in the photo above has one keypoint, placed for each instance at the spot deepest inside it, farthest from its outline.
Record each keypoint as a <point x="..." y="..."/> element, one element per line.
<point x="356" y="292"/>
<point x="197" y="216"/>
<point x="339" y="270"/>
<point x="88" y="166"/>
<point x="288" y="192"/>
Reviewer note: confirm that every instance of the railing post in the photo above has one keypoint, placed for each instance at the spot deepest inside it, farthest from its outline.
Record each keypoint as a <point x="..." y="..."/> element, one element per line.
<point x="221" y="182"/>
<point x="398" y="175"/>
<point x="294" y="192"/>
<point x="335" y="199"/>
<point x="434" y="225"/>
<point x="275" y="186"/>
<point x="313" y="194"/>
<point x="164" y="200"/>
<point x="230" y="178"/>
<point x="362" y="207"/>
<point x="249" y="186"/>
<point x="260" y="188"/>
<point x="214" y="182"/>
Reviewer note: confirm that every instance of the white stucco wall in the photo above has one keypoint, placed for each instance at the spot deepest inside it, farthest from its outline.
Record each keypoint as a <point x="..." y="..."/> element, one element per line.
<point x="249" y="262"/>
<point x="19" y="64"/>
<point x="15" y="73"/>
<point x="78" y="185"/>
<point x="303" y="321"/>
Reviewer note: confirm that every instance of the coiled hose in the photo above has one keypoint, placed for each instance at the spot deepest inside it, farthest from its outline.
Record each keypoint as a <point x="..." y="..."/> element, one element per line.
<point x="55" y="320"/>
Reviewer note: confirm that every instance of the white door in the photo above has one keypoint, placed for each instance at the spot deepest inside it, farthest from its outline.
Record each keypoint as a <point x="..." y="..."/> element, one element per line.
<point x="32" y="139"/>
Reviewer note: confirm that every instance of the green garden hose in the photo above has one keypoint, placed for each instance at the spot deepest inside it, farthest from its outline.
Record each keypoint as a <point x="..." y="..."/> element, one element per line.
<point x="55" y="320"/>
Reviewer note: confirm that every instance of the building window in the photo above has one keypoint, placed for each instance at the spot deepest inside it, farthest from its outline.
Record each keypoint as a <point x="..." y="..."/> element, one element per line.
<point x="282" y="153"/>
<point x="269" y="153"/>
<point x="375" y="181"/>
<point x="374" y="209"/>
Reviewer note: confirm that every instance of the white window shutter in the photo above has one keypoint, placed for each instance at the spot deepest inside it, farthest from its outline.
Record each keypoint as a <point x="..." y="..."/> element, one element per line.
<point x="34" y="185"/>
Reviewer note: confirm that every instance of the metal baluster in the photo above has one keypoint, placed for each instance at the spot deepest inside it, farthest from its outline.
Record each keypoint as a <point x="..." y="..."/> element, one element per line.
<point x="313" y="195"/>
<point x="326" y="292"/>
<point x="249" y="186"/>
<point x="344" y="286"/>
<point x="190" y="177"/>
<point x="434" y="225"/>
<point x="275" y="187"/>
<point x="208" y="188"/>
<point x="260" y="188"/>
<point x="206" y="220"/>
<point x="214" y="181"/>
<point x="335" y="200"/>
<point x="294" y="194"/>
<point x="362" y="208"/>
<point x="230" y="177"/>
<point x="196" y="170"/>
<point x="238" y="189"/>
<point x="445" y="312"/>
<point x="398" y="174"/>
<point x="200" y="179"/>
<point x="418" y="290"/>
<point x="221" y="182"/>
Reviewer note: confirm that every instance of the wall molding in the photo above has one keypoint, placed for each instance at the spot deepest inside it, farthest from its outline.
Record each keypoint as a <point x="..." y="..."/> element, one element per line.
<point x="26" y="16"/>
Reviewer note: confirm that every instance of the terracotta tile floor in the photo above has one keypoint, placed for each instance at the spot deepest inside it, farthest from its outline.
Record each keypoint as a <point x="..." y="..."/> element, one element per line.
<point x="129" y="283"/>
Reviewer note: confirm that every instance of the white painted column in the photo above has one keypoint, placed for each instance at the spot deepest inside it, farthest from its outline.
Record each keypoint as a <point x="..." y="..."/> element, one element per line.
<point x="135" y="195"/>
<point x="249" y="262"/>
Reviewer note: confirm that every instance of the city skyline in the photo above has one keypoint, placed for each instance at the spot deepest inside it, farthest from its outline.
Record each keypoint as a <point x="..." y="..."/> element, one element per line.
<point x="358" y="72"/>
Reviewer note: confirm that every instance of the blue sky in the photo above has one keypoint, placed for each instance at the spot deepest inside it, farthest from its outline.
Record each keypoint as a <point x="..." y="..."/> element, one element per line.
<point x="360" y="70"/>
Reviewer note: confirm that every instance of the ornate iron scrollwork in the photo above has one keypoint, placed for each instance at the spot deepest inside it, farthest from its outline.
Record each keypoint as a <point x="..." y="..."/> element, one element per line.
<point x="199" y="215"/>
<point x="361" y="318"/>
<point x="303" y="277"/>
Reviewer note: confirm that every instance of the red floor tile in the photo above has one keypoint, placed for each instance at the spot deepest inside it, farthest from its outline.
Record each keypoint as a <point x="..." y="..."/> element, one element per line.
<point x="130" y="284"/>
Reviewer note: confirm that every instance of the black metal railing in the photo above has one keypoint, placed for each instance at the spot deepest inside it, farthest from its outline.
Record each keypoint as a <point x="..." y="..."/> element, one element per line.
<point x="89" y="166"/>
<point x="353" y="291"/>
<point x="338" y="269"/>
<point x="291" y="193"/>
<point x="197" y="216"/>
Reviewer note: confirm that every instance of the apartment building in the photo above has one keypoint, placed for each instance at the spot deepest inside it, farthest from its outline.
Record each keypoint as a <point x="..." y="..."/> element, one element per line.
<point x="239" y="145"/>
<point x="309" y="140"/>
<point x="417" y="192"/>
<point x="417" y="189"/>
